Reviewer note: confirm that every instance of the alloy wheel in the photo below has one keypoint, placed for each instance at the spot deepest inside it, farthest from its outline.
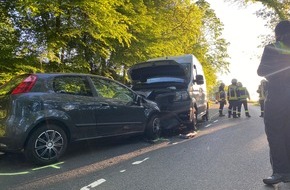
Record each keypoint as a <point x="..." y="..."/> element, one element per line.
<point x="49" y="144"/>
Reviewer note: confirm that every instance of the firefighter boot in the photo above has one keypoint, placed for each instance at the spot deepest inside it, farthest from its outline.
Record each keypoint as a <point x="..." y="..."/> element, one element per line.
<point x="229" y="114"/>
<point x="221" y="113"/>
<point x="235" y="115"/>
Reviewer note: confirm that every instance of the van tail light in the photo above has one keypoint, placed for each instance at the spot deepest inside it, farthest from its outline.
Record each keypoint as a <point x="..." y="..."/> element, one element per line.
<point x="26" y="85"/>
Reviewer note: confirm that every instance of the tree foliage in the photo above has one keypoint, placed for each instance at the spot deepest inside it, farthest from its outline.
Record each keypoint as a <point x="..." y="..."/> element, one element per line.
<point x="106" y="37"/>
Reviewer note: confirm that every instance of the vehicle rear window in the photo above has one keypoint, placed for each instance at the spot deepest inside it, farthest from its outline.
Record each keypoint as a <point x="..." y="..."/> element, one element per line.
<point x="75" y="85"/>
<point x="8" y="87"/>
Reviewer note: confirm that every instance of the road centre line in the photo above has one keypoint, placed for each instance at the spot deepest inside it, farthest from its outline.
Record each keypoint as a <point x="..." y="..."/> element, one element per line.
<point x="94" y="184"/>
<point x="139" y="162"/>
<point x="100" y="181"/>
<point x="78" y="172"/>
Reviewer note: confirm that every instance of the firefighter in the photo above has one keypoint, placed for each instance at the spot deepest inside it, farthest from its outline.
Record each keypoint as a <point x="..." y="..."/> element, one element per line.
<point x="222" y="99"/>
<point x="232" y="98"/>
<point x="262" y="94"/>
<point x="275" y="67"/>
<point x="243" y="95"/>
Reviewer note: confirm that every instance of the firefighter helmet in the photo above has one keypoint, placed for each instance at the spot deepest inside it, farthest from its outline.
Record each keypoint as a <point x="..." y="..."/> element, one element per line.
<point x="234" y="81"/>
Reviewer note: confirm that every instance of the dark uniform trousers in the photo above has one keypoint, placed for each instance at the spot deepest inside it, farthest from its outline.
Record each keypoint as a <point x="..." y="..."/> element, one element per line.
<point x="277" y="128"/>
<point x="245" y="104"/>
<point x="222" y="105"/>
<point x="233" y="105"/>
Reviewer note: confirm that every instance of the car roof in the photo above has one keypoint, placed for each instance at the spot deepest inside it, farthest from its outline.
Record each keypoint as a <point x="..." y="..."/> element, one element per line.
<point x="48" y="75"/>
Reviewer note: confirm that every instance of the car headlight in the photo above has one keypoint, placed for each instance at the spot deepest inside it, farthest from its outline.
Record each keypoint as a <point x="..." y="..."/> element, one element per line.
<point x="181" y="96"/>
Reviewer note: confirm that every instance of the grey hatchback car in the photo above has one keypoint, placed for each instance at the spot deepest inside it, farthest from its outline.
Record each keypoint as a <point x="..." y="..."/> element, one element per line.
<point x="41" y="113"/>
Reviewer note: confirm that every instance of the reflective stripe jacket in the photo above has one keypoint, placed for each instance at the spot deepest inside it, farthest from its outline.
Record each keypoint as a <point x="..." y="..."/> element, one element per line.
<point x="243" y="93"/>
<point x="232" y="92"/>
<point x="262" y="92"/>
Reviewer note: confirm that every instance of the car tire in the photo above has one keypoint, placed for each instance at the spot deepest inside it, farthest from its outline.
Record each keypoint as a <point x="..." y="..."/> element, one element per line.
<point x="46" y="144"/>
<point x="153" y="128"/>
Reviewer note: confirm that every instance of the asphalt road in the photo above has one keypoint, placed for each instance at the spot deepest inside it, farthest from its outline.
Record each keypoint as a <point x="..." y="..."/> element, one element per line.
<point x="226" y="154"/>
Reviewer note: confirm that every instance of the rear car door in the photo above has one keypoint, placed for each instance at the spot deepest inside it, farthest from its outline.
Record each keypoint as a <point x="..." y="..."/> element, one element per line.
<point x="75" y="98"/>
<point x="119" y="114"/>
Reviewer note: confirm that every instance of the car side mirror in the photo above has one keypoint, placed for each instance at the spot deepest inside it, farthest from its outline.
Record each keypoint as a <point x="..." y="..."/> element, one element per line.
<point x="199" y="79"/>
<point x="139" y="100"/>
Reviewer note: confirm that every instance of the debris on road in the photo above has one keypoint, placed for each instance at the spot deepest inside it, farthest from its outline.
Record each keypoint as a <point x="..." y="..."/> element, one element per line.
<point x="188" y="135"/>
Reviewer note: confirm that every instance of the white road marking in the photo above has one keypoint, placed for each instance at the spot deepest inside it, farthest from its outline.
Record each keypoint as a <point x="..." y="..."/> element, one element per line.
<point x="216" y="121"/>
<point x="94" y="184"/>
<point x="207" y="125"/>
<point x="175" y="143"/>
<point x="122" y="171"/>
<point x="139" y="162"/>
<point x="1" y="153"/>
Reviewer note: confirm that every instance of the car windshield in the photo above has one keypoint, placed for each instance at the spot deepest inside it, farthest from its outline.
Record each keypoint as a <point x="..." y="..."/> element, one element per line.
<point x="164" y="79"/>
<point x="187" y="69"/>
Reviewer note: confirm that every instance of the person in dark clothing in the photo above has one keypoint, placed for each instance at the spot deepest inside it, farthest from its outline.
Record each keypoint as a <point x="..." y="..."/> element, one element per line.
<point x="232" y="97"/>
<point x="275" y="67"/>
<point x="262" y="94"/>
<point x="222" y="99"/>
<point x="243" y="95"/>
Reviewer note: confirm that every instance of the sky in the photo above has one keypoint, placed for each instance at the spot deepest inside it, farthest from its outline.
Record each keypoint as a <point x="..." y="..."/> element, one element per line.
<point x="242" y="29"/>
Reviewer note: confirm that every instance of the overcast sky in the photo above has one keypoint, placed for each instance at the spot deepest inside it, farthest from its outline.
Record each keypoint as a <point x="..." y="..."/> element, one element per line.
<point x="242" y="29"/>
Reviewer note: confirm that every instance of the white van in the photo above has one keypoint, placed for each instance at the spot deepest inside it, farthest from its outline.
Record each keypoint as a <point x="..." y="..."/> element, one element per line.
<point x="177" y="84"/>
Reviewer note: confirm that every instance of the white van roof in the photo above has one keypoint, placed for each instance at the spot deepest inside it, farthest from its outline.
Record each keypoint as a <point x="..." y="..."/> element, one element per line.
<point x="187" y="58"/>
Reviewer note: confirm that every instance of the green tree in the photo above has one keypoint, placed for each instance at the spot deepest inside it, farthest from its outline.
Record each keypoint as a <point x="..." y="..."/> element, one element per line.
<point x="70" y="35"/>
<point x="106" y="37"/>
<point x="160" y="28"/>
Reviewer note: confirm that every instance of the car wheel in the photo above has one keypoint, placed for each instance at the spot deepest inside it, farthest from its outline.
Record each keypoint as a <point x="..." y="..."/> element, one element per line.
<point x="193" y="119"/>
<point x="153" y="128"/>
<point x="46" y="144"/>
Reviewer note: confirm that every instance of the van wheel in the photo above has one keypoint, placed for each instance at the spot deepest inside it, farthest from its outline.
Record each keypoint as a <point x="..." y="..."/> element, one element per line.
<point x="46" y="144"/>
<point x="205" y="117"/>
<point x="193" y="119"/>
<point x="153" y="128"/>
